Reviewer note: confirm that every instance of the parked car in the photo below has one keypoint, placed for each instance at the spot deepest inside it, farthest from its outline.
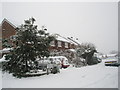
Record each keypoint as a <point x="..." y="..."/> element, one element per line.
<point x="112" y="61"/>
<point x="53" y="61"/>
<point x="62" y="61"/>
<point x="42" y="64"/>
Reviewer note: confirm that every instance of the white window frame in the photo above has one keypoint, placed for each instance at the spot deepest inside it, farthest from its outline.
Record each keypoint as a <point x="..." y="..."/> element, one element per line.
<point x="52" y="43"/>
<point x="59" y="44"/>
<point x="66" y="45"/>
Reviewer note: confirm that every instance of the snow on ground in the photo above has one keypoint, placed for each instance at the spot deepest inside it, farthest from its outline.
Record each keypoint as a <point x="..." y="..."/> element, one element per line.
<point x="1" y="59"/>
<point x="119" y="78"/>
<point x="0" y="80"/>
<point x="95" y="76"/>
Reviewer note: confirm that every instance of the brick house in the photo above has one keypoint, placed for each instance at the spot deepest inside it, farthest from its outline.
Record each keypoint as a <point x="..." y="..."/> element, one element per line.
<point x="61" y="46"/>
<point x="64" y="47"/>
<point x="62" y="43"/>
<point x="7" y="30"/>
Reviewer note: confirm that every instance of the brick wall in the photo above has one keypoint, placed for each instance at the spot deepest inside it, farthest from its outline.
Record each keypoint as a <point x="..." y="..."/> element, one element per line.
<point x="7" y="30"/>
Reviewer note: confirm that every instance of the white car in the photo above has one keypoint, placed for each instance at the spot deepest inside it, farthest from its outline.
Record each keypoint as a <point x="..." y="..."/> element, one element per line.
<point x="62" y="61"/>
<point x="59" y="61"/>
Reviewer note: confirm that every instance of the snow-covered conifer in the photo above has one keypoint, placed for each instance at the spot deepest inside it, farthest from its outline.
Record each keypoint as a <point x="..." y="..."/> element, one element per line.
<point x="30" y="43"/>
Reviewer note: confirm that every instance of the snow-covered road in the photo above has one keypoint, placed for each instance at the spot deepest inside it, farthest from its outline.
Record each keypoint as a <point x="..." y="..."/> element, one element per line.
<point x="0" y="79"/>
<point x="96" y="76"/>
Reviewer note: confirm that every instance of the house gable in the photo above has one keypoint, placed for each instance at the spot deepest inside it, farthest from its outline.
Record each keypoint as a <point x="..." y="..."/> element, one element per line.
<point x="8" y="29"/>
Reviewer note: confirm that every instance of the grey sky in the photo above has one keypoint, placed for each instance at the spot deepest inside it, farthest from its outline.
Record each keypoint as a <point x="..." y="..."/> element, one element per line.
<point x="95" y="22"/>
<point x="0" y="11"/>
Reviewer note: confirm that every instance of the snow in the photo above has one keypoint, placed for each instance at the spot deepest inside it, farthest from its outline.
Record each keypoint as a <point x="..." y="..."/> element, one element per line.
<point x="5" y="50"/>
<point x="72" y="41"/>
<point x="33" y="72"/>
<point x="82" y="59"/>
<point x="5" y="20"/>
<point x="111" y="55"/>
<point x="95" y="76"/>
<point x="73" y="50"/>
<point x="2" y="59"/>
<point x="0" y="80"/>
<point x="60" y="38"/>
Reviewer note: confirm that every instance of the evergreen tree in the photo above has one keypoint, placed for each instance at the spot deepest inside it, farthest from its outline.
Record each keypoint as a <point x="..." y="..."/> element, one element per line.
<point x="30" y="43"/>
<point x="86" y="51"/>
<point x="5" y="43"/>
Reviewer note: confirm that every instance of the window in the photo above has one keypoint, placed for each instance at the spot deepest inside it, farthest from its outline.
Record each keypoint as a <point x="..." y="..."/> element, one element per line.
<point x="66" y="45"/>
<point x="59" y="44"/>
<point x="52" y="43"/>
<point x="13" y="37"/>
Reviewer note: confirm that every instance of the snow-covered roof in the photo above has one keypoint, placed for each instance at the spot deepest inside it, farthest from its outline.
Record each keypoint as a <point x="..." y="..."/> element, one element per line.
<point x="61" y="38"/>
<point x="76" y="42"/>
<point x="72" y="42"/>
<point x="5" y="20"/>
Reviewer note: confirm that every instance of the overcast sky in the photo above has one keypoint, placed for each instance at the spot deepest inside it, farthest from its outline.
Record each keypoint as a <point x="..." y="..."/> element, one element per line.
<point x="95" y="22"/>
